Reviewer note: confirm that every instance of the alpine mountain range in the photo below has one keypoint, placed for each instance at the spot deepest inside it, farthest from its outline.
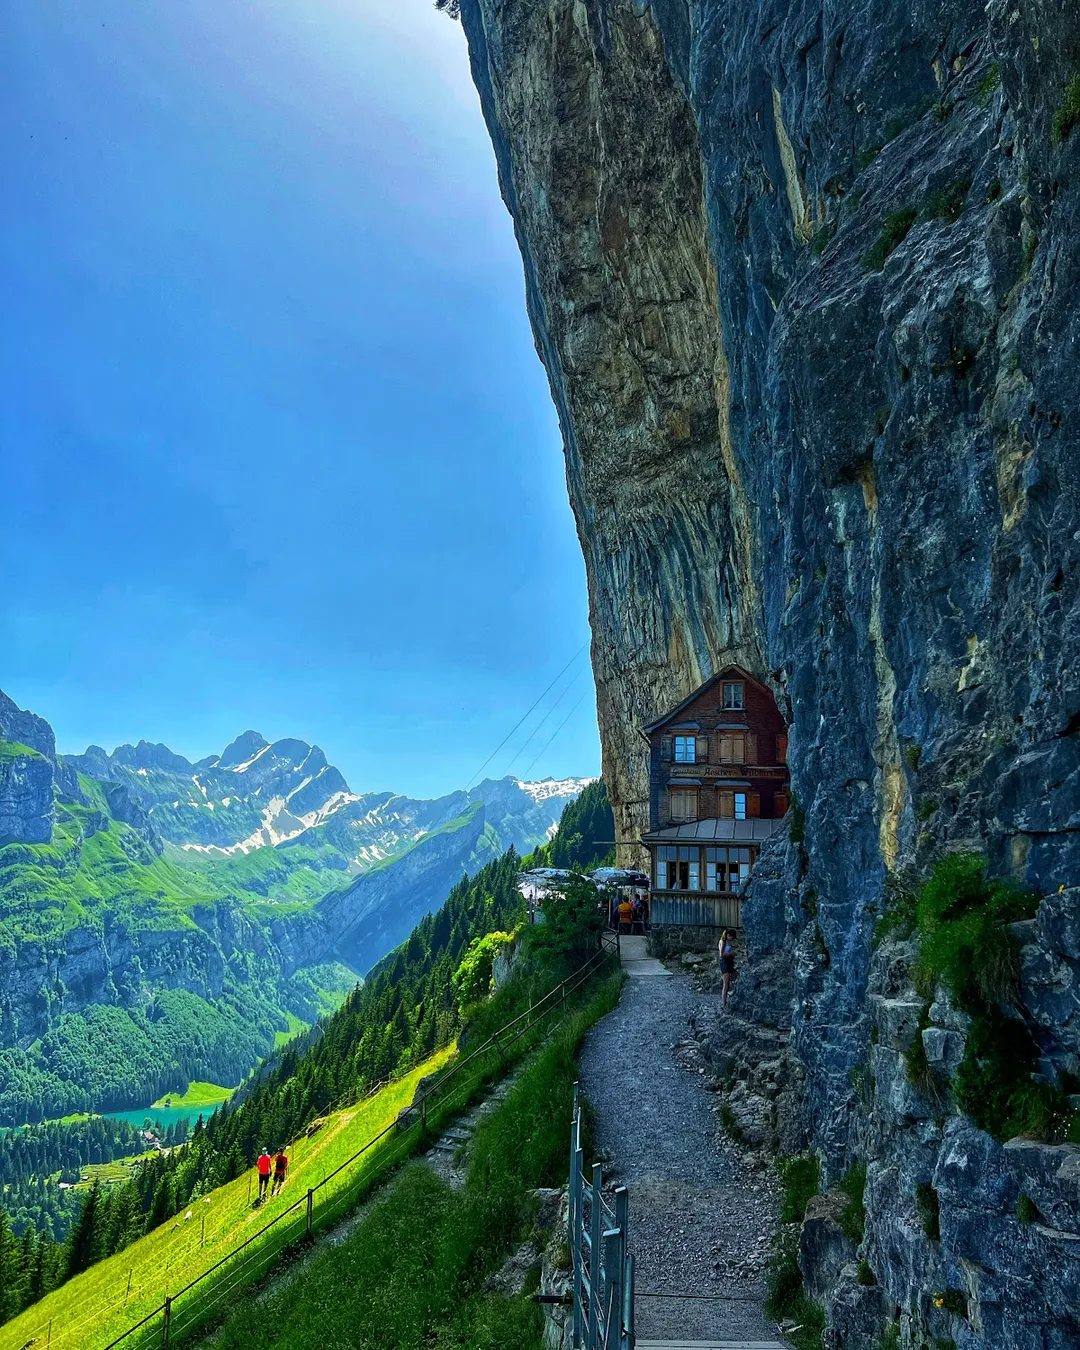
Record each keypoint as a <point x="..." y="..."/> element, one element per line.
<point x="162" y="919"/>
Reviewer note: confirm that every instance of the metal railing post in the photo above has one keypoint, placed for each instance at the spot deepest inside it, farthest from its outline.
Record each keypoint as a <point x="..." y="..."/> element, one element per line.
<point x="595" y="1256"/>
<point x="577" y="1181"/>
<point x="622" y="1213"/>
<point x="628" y="1306"/>
<point x="613" y="1260"/>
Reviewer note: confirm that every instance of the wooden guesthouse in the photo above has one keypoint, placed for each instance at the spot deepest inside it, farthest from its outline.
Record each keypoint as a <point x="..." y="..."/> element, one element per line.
<point x="718" y="788"/>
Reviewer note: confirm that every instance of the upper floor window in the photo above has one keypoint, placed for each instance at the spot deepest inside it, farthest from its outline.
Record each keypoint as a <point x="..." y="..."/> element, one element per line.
<point x="685" y="749"/>
<point x="740" y="805"/>
<point x="684" y="804"/>
<point x="733" y="693"/>
<point x="733" y="747"/>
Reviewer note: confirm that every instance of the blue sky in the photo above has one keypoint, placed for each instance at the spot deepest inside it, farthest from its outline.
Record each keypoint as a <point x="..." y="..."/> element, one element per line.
<point x="278" y="451"/>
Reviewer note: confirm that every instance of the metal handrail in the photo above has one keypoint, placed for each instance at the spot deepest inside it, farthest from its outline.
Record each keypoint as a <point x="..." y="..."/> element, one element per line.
<point x="602" y="1268"/>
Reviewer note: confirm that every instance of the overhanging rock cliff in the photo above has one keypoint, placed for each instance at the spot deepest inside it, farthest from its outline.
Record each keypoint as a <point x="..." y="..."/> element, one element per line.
<point x="804" y="277"/>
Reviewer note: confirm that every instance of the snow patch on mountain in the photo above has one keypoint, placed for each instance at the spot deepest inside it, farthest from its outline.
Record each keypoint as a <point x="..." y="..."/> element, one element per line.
<point x="554" y="787"/>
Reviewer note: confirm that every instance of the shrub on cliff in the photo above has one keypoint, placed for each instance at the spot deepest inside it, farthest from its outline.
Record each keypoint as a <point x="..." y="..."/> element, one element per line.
<point x="965" y="945"/>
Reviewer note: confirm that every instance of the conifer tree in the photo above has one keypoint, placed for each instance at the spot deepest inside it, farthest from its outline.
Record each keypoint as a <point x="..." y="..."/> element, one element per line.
<point x="82" y="1248"/>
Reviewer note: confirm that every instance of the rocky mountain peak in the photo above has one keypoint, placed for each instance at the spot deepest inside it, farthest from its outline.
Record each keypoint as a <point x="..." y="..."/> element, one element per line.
<point x="150" y="755"/>
<point x="244" y="748"/>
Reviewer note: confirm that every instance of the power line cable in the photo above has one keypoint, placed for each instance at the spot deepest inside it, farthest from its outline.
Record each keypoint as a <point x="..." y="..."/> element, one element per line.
<point x="519" y="722"/>
<point x="559" y="728"/>
<point x="535" y="731"/>
<point x="455" y="809"/>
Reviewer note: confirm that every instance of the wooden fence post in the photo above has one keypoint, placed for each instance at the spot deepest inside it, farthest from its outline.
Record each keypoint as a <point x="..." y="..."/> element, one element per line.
<point x="310" y="1194"/>
<point x="165" y="1323"/>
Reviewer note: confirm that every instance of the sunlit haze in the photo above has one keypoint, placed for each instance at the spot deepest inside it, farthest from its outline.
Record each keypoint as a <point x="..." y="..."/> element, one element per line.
<point x="278" y="451"/>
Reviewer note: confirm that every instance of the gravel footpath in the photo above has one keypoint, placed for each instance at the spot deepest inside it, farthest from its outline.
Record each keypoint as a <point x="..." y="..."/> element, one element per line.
<point x="700" y="1221"/>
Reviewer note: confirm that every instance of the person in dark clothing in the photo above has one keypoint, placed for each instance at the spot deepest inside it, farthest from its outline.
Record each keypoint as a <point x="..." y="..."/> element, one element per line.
<point x="281" y="1165"/>
<point x="727" y="964"/>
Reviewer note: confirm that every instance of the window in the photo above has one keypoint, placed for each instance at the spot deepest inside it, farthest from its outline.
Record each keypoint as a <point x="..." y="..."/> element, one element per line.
<point x="733" y="693"/>
<point x="685" y="747"/>
<point x="677" y="869"/>
<point x="683" y="804"/>
<point x="726" y="869"/>
<point x="740" y="805"/>
<point x="733" y="747"/>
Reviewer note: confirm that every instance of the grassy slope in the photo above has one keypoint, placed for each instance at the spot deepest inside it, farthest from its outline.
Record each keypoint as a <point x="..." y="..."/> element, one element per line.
<point x="205" y="1094"/>
<point x="81" y="1311"/>
<point x="411" y="1275"/>
<point x="295" y="1027"/>
<point x="93" y="864"/>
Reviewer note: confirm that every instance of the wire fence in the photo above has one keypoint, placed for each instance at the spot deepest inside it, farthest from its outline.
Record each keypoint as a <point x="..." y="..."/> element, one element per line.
<point x="202" y="1300"/>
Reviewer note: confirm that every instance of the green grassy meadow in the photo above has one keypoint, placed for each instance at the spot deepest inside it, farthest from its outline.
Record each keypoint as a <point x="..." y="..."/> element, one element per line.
<point x="295" y="1027"/>
<point x="209" y="1094"/>
<point x="411" y="1275"/>
<point x="95" y="1307"/>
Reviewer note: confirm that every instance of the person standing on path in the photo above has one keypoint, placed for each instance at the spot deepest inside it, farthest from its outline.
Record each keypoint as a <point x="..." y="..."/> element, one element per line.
<point x="727" y="964"/>
<point x="264" y="1165"/>
<point x="281" y="1165"/>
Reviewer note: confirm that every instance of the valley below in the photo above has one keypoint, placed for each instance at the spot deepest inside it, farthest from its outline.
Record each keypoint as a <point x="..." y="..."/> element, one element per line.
<point x="163" y="922"/>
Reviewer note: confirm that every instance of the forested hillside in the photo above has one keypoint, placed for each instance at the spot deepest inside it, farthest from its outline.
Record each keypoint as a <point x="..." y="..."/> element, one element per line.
<point x="586" y="835"/>
<point x="409" y="1006"/>
<point x="162" y="921"/>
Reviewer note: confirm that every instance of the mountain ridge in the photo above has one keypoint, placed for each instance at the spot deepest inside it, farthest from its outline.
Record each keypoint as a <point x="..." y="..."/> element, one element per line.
<point x="133" y="953"/>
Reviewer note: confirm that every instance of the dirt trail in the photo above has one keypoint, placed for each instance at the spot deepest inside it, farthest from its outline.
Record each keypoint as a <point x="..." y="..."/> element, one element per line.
<point x="700" y="1221"/>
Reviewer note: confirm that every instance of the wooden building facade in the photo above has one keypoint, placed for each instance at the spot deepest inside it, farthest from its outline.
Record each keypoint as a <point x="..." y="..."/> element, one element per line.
<point x="718" y="788"/>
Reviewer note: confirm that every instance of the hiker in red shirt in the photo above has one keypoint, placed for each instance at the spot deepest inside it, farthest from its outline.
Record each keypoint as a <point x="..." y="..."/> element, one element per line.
<point x="264" y="1173"/>
<point x="281" y="1164"/>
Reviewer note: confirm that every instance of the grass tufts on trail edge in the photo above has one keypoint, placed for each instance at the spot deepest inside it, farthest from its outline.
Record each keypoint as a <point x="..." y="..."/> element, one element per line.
<point x="411" y="1276"/>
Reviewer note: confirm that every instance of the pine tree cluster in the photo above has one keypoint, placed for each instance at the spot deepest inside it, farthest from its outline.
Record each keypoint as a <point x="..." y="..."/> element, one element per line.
<point x="407" y="1008"/>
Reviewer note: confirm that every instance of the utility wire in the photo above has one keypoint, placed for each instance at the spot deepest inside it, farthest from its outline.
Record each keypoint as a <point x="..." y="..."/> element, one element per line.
<point x="518" y="723"/>
<point x="536" y="730"/>
<point x="559" y="728"/>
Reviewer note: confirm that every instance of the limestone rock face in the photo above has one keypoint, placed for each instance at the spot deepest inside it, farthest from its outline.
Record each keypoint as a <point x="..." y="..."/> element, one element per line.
<point x="28" y="766"/>
<point x="804" y="281"/>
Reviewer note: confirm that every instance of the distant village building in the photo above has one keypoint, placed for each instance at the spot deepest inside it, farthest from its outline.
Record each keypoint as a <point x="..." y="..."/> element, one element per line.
<point x="718" y="788"/>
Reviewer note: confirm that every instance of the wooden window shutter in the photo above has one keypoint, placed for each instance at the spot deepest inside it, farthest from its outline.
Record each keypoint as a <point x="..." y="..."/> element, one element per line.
<point x="781" y="749"/>
<point x="666" y="751"/>
<point x="780" y="805"/>
<point x="703" y="749"/>
<point x="727" y="749"/>
<point x="753" y="805"/>
<point x="727" y="805"/>
<point x="750" y="754"/>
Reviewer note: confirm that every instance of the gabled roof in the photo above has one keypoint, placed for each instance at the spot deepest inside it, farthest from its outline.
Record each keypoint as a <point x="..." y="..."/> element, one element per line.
<point x="723" y="674"/>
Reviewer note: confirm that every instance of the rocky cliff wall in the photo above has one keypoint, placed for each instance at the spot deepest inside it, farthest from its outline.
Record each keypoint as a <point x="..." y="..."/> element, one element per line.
<point x="803" y="277"/>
